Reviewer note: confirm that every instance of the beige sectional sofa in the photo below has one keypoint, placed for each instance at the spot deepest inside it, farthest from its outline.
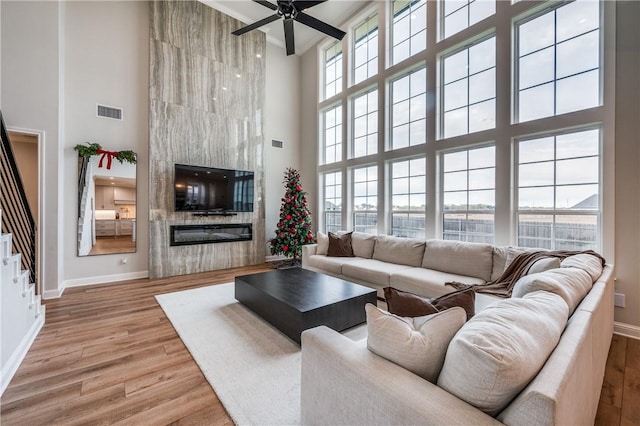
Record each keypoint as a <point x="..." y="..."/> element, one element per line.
<point x="343" y="382"/>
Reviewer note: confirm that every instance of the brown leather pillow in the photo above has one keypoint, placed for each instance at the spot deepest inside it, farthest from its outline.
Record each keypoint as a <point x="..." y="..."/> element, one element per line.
<point x="405" y="304"/>
<point x="340" y="245"/>
<point x="465" y="298"/>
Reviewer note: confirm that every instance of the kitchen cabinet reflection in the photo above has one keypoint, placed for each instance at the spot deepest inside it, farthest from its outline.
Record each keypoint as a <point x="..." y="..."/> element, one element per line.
<point x="107" y="208"/>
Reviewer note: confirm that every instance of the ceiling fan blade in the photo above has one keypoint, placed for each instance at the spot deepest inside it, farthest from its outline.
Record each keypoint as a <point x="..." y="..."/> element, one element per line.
<point x="314" y="23"/>
<point x="265" y="3"/>
<point x="301" y="5"/>
<point x="288" y="37"/>
<point x="256" y="25"/>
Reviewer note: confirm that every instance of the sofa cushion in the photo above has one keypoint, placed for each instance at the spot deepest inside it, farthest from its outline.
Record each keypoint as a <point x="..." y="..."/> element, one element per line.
<point x="333" y="265"/>
<point x="428" y="282"/>
<point x="571" y="284"/>
<point x="363" y="244"/>
<point x="405" y="304"/>
<point x="544" y="264"/>
<point x="403" y="251"/>
<point x="340" y="245"/>
<point x="323" y="243"/>
<point x="417" y="344"/>
<point x="499" y="262"/>
<point x="500" y="350"/>
<point x="457" y="257"/>
<point x="371" y="270"/>
<point x="587" y="262"/>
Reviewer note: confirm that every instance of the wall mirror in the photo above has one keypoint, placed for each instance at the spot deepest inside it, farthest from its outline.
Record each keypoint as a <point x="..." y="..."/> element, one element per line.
<point x="106" y="206"/>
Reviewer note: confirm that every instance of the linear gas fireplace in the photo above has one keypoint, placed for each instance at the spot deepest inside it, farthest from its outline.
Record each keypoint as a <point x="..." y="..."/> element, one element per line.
<point x="182" y="235"/>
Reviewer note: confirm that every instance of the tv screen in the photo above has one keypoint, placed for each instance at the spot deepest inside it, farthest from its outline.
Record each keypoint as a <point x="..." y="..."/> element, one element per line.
<point x="207" y="189"/>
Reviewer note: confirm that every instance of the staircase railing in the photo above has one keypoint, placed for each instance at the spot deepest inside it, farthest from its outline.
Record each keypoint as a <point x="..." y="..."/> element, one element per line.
<point x="83" y="163"/>
<point x="16" y="215"/>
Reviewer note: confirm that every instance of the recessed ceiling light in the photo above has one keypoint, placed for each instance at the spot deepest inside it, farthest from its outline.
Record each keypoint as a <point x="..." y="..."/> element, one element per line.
<point x="238" y="75"/>
<point x="258" y="55"/>
<point x="224" y="88"/>
<point x="215" y="99"/>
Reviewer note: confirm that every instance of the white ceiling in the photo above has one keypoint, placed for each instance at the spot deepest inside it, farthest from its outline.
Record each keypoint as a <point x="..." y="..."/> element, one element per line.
<point x="333" y="12"/>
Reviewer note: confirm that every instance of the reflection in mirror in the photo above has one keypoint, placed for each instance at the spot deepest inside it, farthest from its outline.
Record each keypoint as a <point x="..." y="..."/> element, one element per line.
<point x="106" y="207"/>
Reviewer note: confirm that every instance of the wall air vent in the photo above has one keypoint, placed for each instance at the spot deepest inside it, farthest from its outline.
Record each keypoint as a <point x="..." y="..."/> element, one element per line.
<point x="109" y="112"/>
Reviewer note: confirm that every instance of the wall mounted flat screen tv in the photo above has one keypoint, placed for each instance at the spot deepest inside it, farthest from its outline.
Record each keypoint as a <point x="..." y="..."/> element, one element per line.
<point x="212" y="190"/>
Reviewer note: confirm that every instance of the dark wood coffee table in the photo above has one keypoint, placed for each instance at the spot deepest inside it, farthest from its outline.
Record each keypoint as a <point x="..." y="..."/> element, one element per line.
<point x="296" y="299"/>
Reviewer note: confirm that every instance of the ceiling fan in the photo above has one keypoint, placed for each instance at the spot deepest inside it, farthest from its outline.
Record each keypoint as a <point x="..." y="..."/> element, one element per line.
<point x="292" y="10"/>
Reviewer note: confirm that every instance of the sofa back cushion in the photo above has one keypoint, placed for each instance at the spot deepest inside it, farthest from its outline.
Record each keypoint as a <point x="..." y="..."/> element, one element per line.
<point x="571" y="284"/>
<point x="363" y="244"/>
<point x="587" y="262"/>
<point x="417" y="344"/>
<point x="501" y="349"/>
<point x="403" y="251"/>
<point x="457" y="257"/>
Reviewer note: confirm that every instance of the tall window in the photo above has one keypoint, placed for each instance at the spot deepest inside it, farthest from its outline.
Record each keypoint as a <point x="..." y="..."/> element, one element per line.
<point x="365" y="199"/>
<point x="469" y="89"/>
<point x="332" y="202"/>
<point x="333" y="69"/>
<point x="365" y="124"/>
<point x="559" y="61"/>
<point x="408" y="197"/>
<point x="558" y="191"/>
<point x="332" y="121"/>
<point x="409" y="109"/>
<point x="365" y="58"/>
<point x="409" y="28"/>
<point x="469" y="195"/>
<point x="461" y="14"/>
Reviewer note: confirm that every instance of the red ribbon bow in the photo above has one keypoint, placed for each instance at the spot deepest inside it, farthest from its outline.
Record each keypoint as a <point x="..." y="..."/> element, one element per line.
<point x="109" y="154"/>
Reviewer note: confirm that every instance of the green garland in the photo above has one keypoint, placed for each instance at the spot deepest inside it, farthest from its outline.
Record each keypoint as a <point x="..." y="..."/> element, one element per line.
<point x="92" y="149"/>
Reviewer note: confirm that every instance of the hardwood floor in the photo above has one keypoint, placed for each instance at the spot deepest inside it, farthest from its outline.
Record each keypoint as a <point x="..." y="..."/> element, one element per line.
<point x="108" y="355"/>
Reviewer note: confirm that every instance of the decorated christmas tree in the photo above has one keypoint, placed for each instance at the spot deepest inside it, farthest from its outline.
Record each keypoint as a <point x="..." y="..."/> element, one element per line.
<point x="294" y="228"/>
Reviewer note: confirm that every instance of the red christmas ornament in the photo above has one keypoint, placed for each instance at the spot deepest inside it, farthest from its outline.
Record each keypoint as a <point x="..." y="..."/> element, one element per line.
<point x="293" y="230"/>
<point x="285" y="248"/>
<point x="298" y="188"/>
<point x="288" y="217"/>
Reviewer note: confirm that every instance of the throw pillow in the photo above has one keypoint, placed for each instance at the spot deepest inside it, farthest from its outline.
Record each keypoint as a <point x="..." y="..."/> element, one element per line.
<point x="496" y="354"/>
<point x="405" y="304"/>
<point x="340" y="245"/>
<point x="591" y="264"/>
<point x="323" y="243"/>
<point x="416" y="344"/>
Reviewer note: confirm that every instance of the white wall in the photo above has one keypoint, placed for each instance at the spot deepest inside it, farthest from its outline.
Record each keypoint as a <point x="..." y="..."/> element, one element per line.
<point x="107" y="62"/>
<point x="30" y="100"/>
<point x="309" y="128"/>
<point x="282" y="122"/>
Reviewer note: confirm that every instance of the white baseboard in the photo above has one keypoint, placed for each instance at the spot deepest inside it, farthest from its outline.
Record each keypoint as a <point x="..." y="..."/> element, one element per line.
<point x="274" y="258"/>
<point x="103" y="279"/>
<point x="16" y="358"/>
<point x="52" y="294"/>
<point x="627" y="330"/>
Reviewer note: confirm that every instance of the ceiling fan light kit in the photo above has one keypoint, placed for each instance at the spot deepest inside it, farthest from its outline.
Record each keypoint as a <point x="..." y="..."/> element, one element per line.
<point x="289" y="11"/>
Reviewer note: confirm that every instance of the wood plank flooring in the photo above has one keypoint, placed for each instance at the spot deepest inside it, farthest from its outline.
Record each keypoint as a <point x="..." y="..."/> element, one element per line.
<point x="108" y="355"/>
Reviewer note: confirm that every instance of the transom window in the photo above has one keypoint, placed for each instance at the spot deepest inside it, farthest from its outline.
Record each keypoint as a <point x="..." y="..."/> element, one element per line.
<point x="409" y="109"/>
<point x="469" y="195"/>
<point x="332" y="120"/>
<point x="365" y="199"/>
<point x="408" y="197"/>
<point x="461" y="14"/>
<point x="409" y="28"/>
<point x="365" y="52"/>
<point x="559" y="61"/>
<point x="469" y="89"/>
<point x="558" y="191"/>
<point x="332" y="202"/>
<point x="365" y="124"/>
<point x="333" y="69"/>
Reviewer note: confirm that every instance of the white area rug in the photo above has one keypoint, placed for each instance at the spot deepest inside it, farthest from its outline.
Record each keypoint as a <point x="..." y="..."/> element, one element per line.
<point x="253" y="368"/>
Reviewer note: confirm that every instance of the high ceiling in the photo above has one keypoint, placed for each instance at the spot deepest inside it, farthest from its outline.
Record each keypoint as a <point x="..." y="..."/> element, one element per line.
<point x="333" y="12"/>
